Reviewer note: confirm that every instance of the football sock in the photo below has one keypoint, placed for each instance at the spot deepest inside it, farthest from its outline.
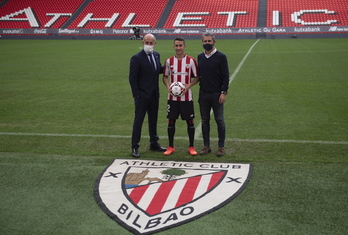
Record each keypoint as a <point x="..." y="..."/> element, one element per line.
<point x="190" y="131"/>
<point x="171" y="131"/>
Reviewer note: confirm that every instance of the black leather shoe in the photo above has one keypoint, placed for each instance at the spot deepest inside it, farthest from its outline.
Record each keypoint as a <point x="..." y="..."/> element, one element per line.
<point x="157" y="148"/>
<point x="135" y="153"/>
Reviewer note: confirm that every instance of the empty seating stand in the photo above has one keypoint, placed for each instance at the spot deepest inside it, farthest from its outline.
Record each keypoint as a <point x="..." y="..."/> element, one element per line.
<point x="119" y="14"/>
<point x="297" y="13"/>
<point x="124" y="14"/>
<point x="37" y="14"/>
<point x="213" y="14"/>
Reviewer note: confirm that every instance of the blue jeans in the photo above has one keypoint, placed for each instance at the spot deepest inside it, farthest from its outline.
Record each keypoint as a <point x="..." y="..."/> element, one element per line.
<point x="206" y="103"/>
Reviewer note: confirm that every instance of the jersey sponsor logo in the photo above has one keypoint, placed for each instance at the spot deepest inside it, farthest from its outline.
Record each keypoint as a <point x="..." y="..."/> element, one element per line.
<point x="146" y="197"/>
<point x="179" y="73"/>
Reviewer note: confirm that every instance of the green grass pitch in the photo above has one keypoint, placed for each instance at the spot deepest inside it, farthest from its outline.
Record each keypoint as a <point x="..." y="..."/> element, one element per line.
<point x="66" y="112"/>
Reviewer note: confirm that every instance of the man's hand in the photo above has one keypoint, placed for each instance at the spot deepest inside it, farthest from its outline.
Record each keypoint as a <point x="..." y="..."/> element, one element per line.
<point x="222" y="98"/>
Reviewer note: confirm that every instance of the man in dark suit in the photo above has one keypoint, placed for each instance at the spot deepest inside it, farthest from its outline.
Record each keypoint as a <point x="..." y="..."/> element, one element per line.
<point x="145" y="67"/>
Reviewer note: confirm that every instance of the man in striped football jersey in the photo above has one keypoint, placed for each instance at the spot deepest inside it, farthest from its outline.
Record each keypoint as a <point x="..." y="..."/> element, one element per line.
<point x="180" y="68"/>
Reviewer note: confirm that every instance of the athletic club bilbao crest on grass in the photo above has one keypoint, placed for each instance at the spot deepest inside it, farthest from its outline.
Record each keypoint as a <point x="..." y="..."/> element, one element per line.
<point x="146" y="197"/>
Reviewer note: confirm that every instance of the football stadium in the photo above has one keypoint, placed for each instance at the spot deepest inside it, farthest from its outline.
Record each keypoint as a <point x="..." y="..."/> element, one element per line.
<point x="67" y="110"/>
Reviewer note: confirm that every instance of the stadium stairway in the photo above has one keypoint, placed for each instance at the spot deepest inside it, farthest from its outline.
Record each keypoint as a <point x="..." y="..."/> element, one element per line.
<point x="76" y="13"/>
<point x="3" y="2"/>
<point x="262" y="14"/>
<point x="262" y="18"/>
<point x="166" y="13"/>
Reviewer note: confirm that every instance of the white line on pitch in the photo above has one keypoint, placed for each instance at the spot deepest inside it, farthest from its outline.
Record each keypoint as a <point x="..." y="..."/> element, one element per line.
<point x="165" y="137"/>
<point x="198" y="130"/>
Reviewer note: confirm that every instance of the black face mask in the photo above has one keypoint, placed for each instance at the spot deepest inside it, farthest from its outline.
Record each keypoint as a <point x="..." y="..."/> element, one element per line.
<point x="208" y="47"/>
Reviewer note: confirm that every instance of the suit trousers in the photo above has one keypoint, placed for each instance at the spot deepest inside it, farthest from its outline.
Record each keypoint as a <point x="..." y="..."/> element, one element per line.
<point x="142" y="107"/>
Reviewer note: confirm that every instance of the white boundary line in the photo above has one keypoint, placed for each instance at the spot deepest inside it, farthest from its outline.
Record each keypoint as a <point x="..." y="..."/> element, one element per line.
<point x="165" y="137"/>
<point x="198" y="131"/>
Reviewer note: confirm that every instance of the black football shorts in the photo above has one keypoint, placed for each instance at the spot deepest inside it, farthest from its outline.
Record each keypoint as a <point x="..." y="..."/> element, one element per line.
<point x="184" y="108"/>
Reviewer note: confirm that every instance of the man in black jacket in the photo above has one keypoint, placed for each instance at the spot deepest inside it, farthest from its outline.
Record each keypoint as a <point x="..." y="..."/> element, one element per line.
<point x="144" y="71"/>
<point x="214" y="81"/>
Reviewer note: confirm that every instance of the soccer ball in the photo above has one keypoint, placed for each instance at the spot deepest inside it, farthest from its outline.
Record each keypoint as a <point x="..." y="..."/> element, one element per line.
<point x="176" y="89"/>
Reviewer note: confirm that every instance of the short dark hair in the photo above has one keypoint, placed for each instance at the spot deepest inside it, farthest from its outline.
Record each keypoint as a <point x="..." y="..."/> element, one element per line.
<point x="179" y="39"/>
<point x="209" y="35"/>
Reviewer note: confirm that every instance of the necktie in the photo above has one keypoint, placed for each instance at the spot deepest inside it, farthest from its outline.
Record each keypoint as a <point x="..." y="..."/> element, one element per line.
<point x="152" y="62"/>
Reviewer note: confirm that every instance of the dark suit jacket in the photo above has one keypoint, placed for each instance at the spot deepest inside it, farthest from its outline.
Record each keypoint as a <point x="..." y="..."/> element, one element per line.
<point x="143" y="80"/>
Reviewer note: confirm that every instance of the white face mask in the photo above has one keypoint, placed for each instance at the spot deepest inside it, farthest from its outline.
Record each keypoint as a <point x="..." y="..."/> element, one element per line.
<point x="148" y="48"/>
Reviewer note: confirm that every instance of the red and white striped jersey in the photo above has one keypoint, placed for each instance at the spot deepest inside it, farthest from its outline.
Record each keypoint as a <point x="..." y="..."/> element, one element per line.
<point x="181" y="71"/>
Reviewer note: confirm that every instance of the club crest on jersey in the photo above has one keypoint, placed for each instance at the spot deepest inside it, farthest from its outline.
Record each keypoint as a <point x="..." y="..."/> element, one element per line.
<point x="147" y="196"/>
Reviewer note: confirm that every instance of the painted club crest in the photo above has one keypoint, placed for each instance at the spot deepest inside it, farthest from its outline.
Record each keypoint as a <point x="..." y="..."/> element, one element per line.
<point x="146" y="197"/>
